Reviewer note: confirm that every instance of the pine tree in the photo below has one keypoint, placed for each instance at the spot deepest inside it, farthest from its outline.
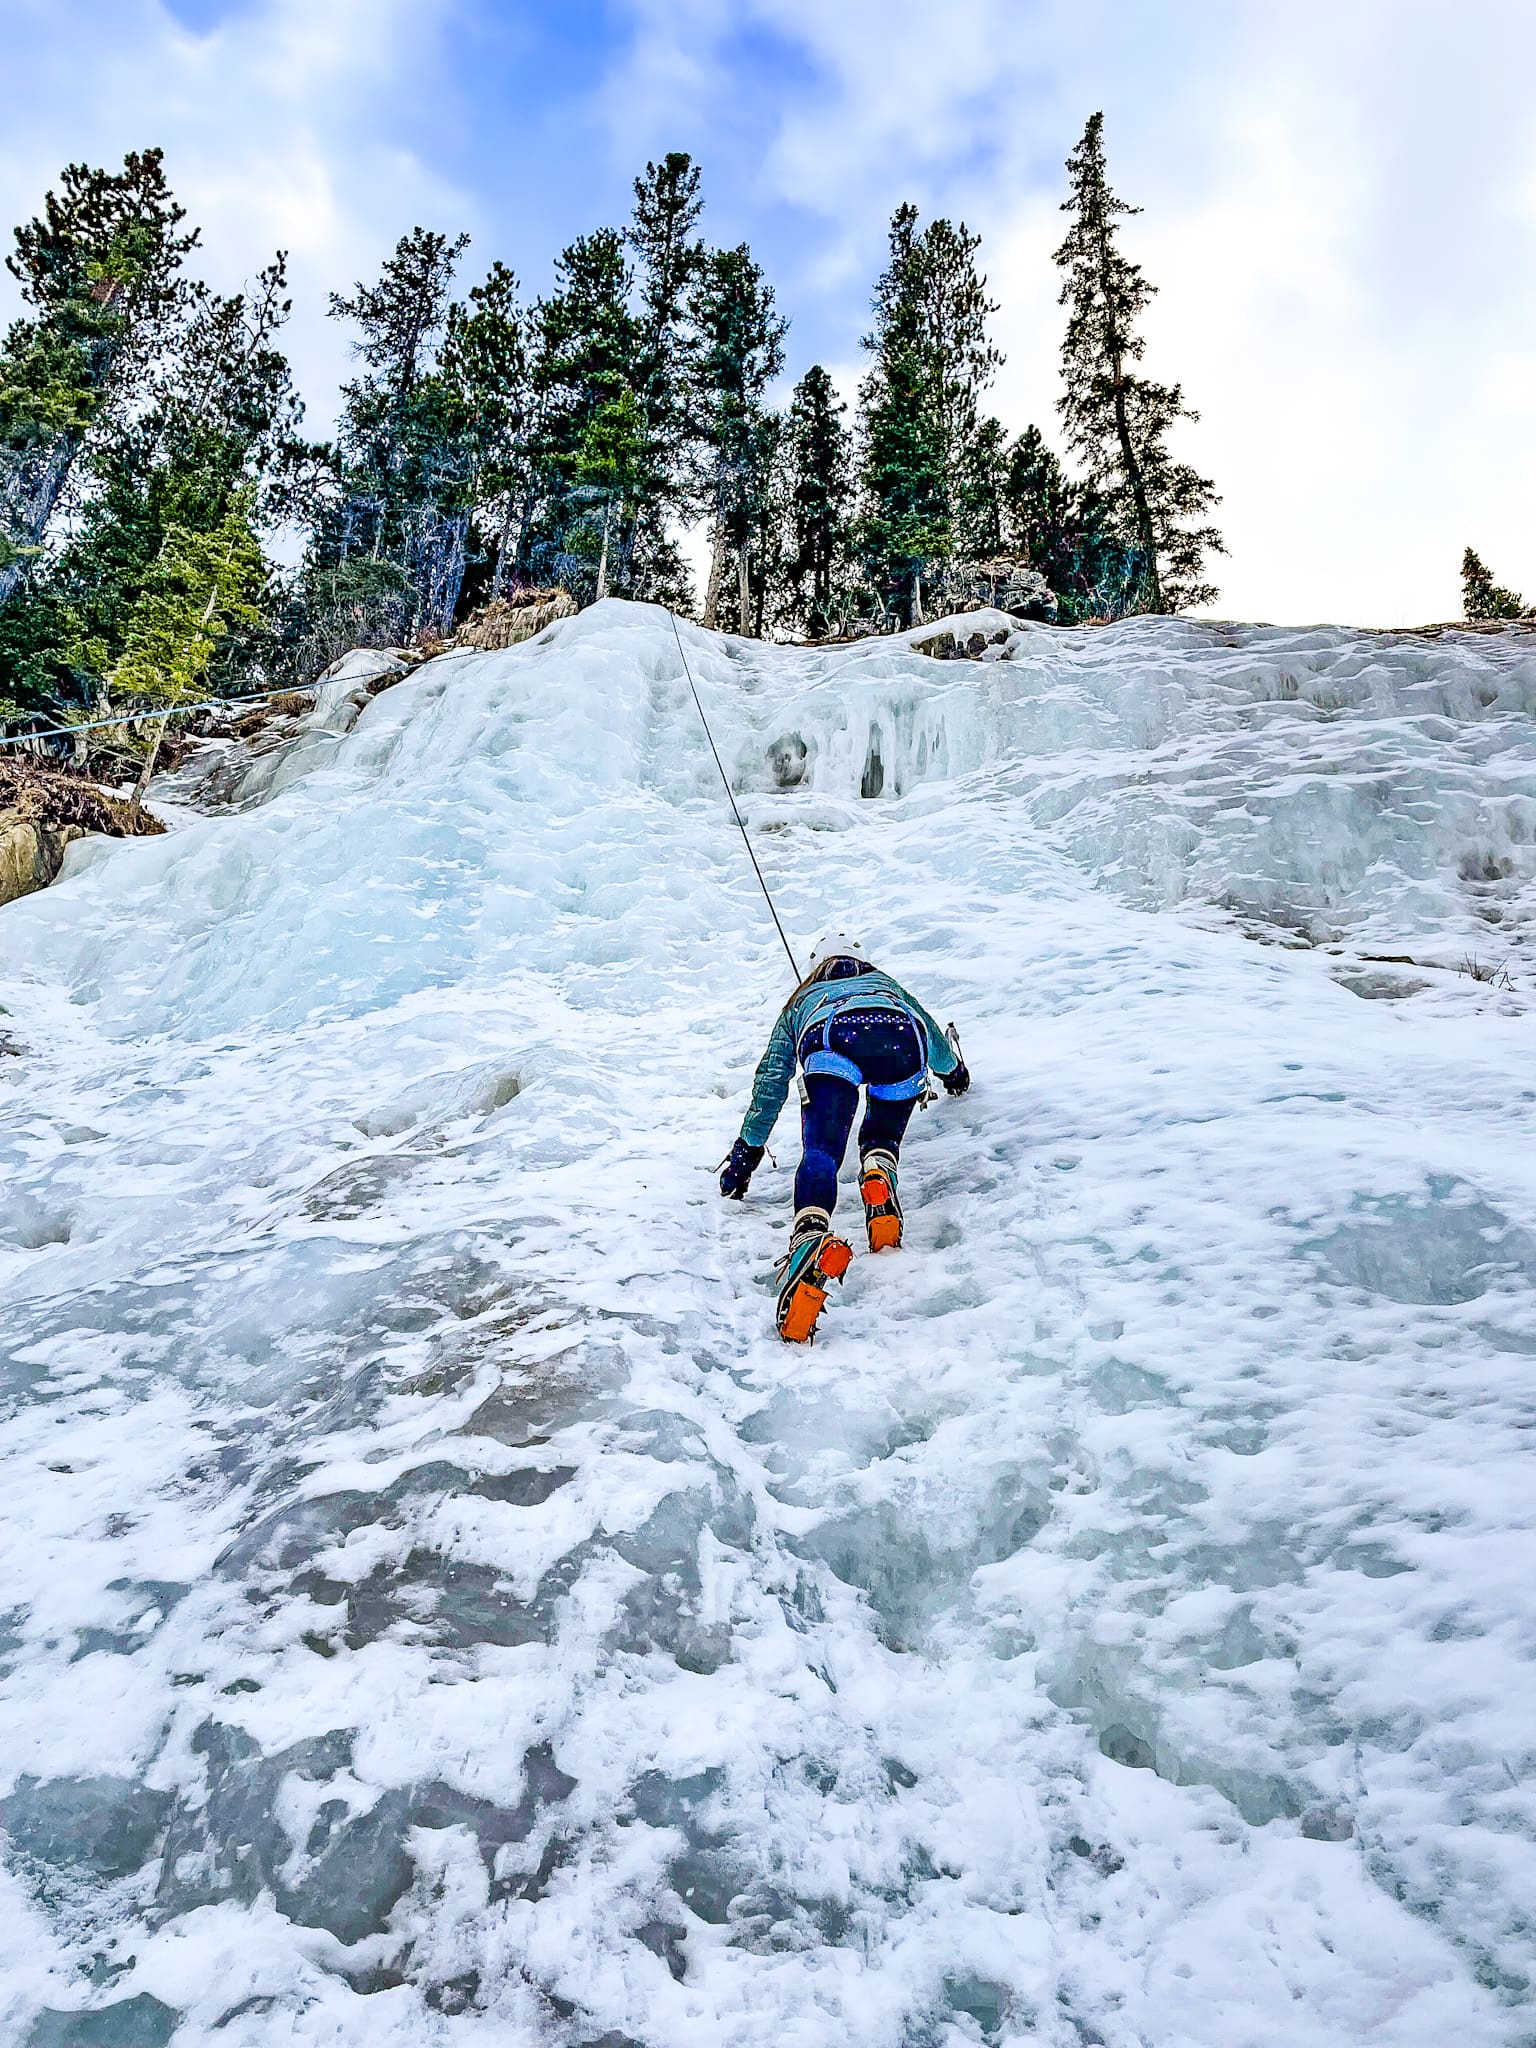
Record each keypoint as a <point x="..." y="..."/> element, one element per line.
<point x="764" y="556"/>
<point x="99" y="270"/>
<point x="407" y="464"/>
<point x="669" y="256"/>
<point x="1117" y="420"/>
<point x="740" y="350"/>
<point x="981" y="492"/>
<point x="819" y="458"/>
<point x="920" y="402"/>
<point x="216" y="410"/>
<point x="196" y="409"/>
<point x="1481" y="597"/>
<point x="201" y="586"/>
<point x="224" y="407"/>
<point x="906" y="525"/>
<point x="610" y="463"/>
<point x="587" y="343"/>
<point x="1067" y="532"/>
<point x="401" y="314"/>
<point x="1039" y="500"/>
<point x="485" y="364"/>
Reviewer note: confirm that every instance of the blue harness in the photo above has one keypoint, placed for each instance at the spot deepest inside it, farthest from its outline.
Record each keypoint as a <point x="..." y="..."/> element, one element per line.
<point x="820" y="1059"/>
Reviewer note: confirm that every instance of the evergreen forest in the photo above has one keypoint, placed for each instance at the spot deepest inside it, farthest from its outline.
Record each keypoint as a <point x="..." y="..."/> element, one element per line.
<point x="169" y="533"/>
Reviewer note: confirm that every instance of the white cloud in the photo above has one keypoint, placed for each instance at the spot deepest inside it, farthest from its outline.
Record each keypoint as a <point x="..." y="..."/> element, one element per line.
<point x="282" y="126"/>
<point x="1340" y="207"/>
<point x="1340" y="213"/>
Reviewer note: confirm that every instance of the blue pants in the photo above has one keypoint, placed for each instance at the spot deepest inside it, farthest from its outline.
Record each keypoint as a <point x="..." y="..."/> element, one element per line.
<point x="886" y="1047"/>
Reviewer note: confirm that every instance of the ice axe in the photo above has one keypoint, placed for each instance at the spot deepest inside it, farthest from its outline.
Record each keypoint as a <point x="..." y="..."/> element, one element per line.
<point x="952" y="1040"/>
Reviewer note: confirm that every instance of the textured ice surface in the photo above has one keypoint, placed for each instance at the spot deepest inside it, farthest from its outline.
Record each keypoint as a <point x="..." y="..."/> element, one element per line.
<point x="434" y="1608"/>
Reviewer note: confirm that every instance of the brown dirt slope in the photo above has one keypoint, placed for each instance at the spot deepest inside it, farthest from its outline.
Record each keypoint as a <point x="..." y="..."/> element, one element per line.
<point x="43" y="808"/>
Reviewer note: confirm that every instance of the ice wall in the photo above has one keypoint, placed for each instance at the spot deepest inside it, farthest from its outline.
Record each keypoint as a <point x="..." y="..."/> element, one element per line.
<point x="1379" y="788"/>
<point x="434" y="1606"/>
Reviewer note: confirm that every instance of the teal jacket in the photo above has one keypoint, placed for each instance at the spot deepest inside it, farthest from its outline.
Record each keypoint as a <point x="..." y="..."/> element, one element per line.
<point x="867" y="990"/>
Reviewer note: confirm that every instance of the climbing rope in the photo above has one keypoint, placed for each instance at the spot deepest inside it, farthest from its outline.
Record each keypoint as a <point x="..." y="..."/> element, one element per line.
<point x="731" y="799"/>
<point x="51" y="732"/>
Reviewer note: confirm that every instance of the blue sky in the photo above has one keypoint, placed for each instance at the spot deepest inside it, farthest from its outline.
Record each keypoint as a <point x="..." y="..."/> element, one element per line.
<point x="1340" y="203"/>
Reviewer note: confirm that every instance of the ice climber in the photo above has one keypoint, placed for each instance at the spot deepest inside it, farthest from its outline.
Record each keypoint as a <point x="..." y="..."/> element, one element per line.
<point x="848" y="1026"/>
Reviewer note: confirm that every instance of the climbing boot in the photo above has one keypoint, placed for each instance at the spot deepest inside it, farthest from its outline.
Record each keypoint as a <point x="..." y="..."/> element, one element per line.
<point x="814" y="1260"/>
<point x="882" y="1208"/>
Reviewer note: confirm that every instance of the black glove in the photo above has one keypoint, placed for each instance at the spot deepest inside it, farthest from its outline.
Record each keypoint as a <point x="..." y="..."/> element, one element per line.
<point x="744" y="1161"/>
<point x="957" y="1082"/>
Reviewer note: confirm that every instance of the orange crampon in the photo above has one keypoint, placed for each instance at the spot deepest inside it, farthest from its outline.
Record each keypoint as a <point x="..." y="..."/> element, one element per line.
<point x="814" y="1261"/>
<point x="882" y="1209"/>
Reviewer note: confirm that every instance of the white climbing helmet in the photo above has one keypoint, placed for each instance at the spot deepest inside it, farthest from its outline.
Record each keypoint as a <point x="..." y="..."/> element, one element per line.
<point x="836" y="946"/>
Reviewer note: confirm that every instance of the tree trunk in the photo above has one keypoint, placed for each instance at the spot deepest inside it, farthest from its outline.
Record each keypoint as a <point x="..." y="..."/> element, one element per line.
<point x="1133" y="476"/>
<point x="716" y="577"/>
<point x="743" y="593"/>
<point x="626" y="541"/>
<point x="501" y="549"/>
<point x="525" y="512"/>
<point x="1128" y="456"/>
<point x="602" y="560"/>
<point x="917" y="596"/>
<point x="149" y="765"/>
<point x="453" y="571"/>
<point x="36" y="486"/>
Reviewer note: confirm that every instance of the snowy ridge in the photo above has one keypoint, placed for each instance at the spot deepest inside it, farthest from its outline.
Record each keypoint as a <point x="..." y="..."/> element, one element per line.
<point x="436" y="1608"/>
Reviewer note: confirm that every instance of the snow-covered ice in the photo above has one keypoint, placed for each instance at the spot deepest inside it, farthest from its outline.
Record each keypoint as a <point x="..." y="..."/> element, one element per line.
<point x="434" y="1608"/>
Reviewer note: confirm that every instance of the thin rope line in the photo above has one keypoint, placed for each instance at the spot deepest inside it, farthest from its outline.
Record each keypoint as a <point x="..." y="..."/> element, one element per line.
<point x="50" y="732"/>
<point x="731" y="798"/>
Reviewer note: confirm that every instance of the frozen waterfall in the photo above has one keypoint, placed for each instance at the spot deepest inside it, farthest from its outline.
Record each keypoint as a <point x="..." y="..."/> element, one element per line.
<point x="435" y="1609"/>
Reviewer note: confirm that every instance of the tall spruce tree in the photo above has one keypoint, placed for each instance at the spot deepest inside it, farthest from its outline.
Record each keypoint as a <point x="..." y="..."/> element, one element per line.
<point x="610" y="464"/>
<point x="485" y="366"/>
<point x="100" y="272"/>
<point x="981" y="493"/>
<point x="215" y="414"/>
<point x="1067" y="531"/>
<point x="668" y="255"/>
<point x="1040" y="503"/>
<point x="738" y="353"/>
<point x="401" y="313"/>
<point x="1117" y="420"/>
<point x="920" y="403"/>
<point x="224" y="406"/>
<point x="201" y="585"/>
<point x="407" y="464"/>
<point x="1481" y="597"/>
<point x="586" y="345"/>
<point x="194" y="413"/>
<point x="819" y="463"/>
<point x="760" y="566"/>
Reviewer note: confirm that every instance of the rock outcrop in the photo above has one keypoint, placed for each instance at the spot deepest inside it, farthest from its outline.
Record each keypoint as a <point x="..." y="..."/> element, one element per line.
<point x="949" y="641"/>
<point x="1009" y="583"/>
<point x="230" y="766"/>
<point x="507" y="621"/>
<point x="44" y="809"/>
